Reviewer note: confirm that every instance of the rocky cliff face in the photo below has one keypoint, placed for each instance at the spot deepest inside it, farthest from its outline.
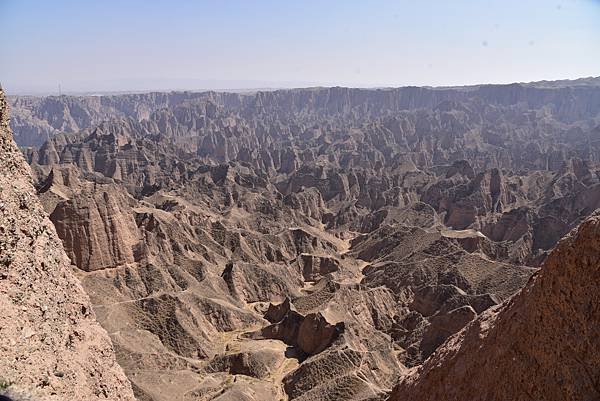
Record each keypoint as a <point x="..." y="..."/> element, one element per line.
<point x="540" y="345"/>
<point x="51" y="346"/>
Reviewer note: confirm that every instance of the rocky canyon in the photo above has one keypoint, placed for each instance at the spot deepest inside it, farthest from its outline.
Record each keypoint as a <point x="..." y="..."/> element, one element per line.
<point x="313" y="244"/>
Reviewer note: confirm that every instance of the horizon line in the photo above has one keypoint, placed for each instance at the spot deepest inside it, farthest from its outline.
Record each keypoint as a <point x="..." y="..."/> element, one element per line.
<point x="274" y="87"/>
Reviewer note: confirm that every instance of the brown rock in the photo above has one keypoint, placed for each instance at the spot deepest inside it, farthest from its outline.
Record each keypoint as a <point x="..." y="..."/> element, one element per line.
<point x="51" y="346"/>
<point x="97" y="228"/>
<point x="541" y="344"/>
<point x="316" y="333"/>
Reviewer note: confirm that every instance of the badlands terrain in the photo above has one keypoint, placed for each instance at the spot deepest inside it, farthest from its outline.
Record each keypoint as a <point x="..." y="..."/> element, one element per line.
<point x="311" y="244"/>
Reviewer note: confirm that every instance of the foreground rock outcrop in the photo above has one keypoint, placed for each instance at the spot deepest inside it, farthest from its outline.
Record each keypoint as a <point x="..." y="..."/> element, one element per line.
<point x="51" y="346"/>
<point x="543" y="344"/>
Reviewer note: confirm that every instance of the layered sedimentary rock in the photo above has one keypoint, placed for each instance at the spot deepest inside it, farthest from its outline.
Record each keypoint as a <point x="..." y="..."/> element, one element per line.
<point x="439" y="284"/>
<point x="36" y="119"/>
<point x="310" y="244"/>
<point x="542" y="344"/>
<point x="51" y="346"/>
<point x="98" y="229"/>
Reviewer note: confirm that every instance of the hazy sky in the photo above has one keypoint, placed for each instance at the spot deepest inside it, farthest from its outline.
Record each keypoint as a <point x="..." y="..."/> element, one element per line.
<point x="86" y="45"/>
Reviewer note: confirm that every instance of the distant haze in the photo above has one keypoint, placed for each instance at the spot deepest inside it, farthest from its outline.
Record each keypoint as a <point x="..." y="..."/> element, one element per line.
<point x="135" y="45"/>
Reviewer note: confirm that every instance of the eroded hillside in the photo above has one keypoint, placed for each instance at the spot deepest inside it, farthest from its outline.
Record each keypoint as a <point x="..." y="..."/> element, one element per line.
<point x="541" y="345"/>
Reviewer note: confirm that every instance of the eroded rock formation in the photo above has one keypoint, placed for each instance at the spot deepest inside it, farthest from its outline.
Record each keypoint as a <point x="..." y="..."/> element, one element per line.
<point x="51" y="346"/>
<point x="542" y="344"/>
<point x="312" y="244"/>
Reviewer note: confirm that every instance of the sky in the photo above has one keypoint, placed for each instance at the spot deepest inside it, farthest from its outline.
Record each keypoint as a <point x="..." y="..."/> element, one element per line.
<point x="134" y="45"/>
